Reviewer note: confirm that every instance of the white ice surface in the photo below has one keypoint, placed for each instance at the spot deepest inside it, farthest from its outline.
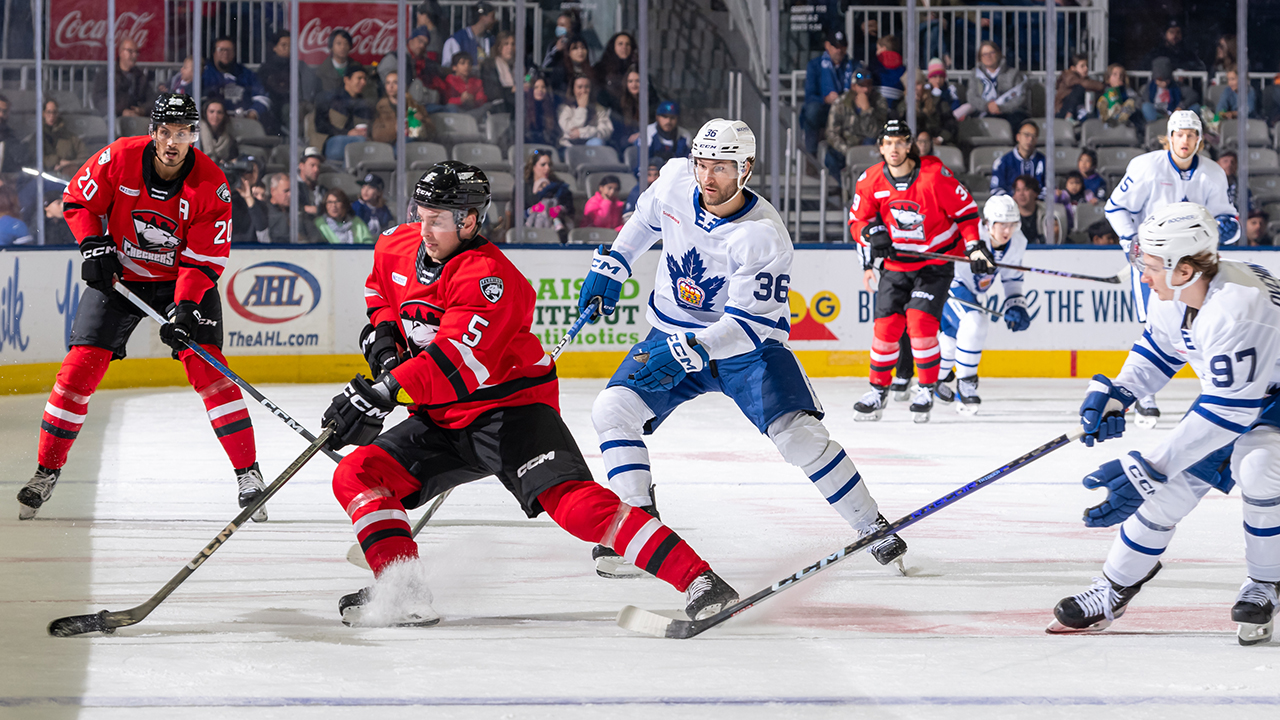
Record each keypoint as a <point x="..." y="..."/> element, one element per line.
<point x="529" y="629"/>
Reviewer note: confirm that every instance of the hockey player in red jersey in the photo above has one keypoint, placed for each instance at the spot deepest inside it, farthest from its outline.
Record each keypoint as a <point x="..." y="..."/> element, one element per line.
<point x="167" y="208"/>
<point x="449" y="336"/>
<point x="909" y="203"/>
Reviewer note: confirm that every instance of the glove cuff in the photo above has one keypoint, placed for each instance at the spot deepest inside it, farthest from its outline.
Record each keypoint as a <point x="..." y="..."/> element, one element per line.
<point x="610" y="265"/>
<point x="1015" y="301"/>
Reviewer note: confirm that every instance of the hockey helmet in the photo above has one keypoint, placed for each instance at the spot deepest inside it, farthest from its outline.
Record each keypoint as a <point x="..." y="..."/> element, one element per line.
<point x="1186" y="120"/>
<point x="722" y="139"/>
<point x="456" y="186"/>
<point x="1001" y="209"/>
<point x="1175" y="231"/>
<point x="894" y="128"/>
<point x="174" y="109"/>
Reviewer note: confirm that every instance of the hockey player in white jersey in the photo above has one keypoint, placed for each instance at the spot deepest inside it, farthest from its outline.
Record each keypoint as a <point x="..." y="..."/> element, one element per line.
<point x="964" y="329"/>
<point x="720" y="324"/>
<point x="1222" y="317"/>
<point x="1155" y="180"/>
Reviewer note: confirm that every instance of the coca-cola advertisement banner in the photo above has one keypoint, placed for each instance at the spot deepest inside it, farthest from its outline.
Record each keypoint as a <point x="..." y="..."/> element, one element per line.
<point x="78" y="28"/>
<point x="372" y="27"/>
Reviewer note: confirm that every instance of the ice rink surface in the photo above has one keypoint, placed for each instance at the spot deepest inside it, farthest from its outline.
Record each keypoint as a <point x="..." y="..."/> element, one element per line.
<point x="528" y="628"/>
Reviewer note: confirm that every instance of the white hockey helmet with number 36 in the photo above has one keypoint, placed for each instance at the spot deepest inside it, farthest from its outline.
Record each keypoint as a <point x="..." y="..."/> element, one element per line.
<point x="1172" y="233"/>
<point x="730" y="140"/>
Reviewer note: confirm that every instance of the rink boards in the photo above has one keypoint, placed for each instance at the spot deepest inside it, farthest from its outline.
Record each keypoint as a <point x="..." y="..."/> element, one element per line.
<point x="294" y="315"/>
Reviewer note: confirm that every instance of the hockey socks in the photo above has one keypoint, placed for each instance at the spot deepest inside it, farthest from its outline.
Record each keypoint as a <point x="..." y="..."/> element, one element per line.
<point x="592" y="513"/>
<point x="923" y="329"/>
<point x="367" y="483"/>
<point x="64" y="414"/>
<point x="225" y="406"/>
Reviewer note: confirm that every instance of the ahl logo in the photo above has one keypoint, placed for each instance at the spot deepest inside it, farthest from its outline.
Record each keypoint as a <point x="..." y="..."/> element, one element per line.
<point x="269" y="292"/>
<point x="491" y="288"/>
<point x="688" y="287"/>
<point x="535" y="463"/>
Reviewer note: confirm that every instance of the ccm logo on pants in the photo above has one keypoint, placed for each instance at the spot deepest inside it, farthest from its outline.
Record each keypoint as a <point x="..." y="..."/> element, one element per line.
<point x="535" y="463"/>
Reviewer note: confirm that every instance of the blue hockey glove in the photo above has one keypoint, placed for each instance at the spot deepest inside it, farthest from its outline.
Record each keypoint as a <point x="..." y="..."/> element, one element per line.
<point x="1016" y="317"/>
<point x="1129" y="481"/>
<point x="1228" y="228"/>
<point x="604" y="282"/>
<point x="1103" y="409"/>
<point x="667" y="361"/>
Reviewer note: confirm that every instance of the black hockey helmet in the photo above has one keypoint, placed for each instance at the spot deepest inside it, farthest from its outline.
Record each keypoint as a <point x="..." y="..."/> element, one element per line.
<point x="895" y="128"/>
<point x="456" y="186"/>
<point x="174" y="109"/>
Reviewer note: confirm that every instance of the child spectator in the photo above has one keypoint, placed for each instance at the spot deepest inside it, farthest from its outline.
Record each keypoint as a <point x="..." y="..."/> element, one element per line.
<point x="633" y="197"/>
<point x="604" y="209"/>
<point x="887" y="68"/>
<point x="461" y="91"/>
<point x="1072" y="194"/>
<point x="1100" y="233"/>
<point x="1095" y="186"/>
<point x="946" y="91"/>
<point x="1229" y="102"/>
<point x="1163" y="95"/>
<point x="1073" y="83"/>
<point x="182" y="81"/>
<point x="1117" y="105"/>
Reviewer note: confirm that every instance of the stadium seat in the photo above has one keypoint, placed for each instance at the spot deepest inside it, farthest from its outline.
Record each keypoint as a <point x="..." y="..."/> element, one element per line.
<point x="586" y="159"/>
<point x="1096" y="133"/>
<point x="363" y="157"/>
<point x="531" y="235"/>
<point x="626" y="181"/>
<point x="1064" y="159"/>
<point x="314" y="137"/>
<point x="249" y="131"/>
<point x="1114" y="161"/>
<point x="496" y="126"/>
<point x="454" y="128"/>
<point x="1265" y="188"/>
<point x="501" y="184"/>
<point x="1088" y="214"/>
<point x="90" y="128"/>
<point x="1155" y="131"/>
<point x="69" y="103"/>
<point x="482" y="155"/>
<point x="592" y="236"/>
<point x="1255" y="134"/>
<point x="132" y="126"/>
<point x="1263" y="161"/>
<point x="341" y="181"/>
<point x="982" y="158"/>
<point x="23" y="101"/>
<point x="422" y="155"/>
<point x="951" y="157"/>
<point x="1063" y="133"/>
<point x="1214" y="94"/>
<point x="978" y="132"/>
<point x="631" y="158"/>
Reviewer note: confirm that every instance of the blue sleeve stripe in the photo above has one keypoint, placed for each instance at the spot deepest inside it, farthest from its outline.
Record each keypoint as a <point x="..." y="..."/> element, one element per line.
<point x="829" y="467"/>
<point x="1118" y="208"/>
<point x="627" y="468"/>
<point x="655" y="229"/>
<point x="1219" y="420"/>
<point x="1139" y="548"/>
<point x="1167" y="358"/>
<point x="611" y="444"/>
<point x="857" y="477"/>
<point x="1231" y="402"/>
<point x="1150" y="356"/>
<point x="737" y="312"/>
<point x="755" y="340"/>
<point x="1261" y="532"/>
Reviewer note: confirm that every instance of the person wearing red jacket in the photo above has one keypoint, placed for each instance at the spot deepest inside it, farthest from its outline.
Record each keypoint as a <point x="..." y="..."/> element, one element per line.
<point x="449" y="336"/>
<point x="910" y="203"/>
<point x="460" y="89"/>
<point x="167" y="208"/>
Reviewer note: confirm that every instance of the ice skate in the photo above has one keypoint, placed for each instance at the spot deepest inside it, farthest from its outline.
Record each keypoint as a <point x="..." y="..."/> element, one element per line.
<point x="1147" y="412"/>
<point x="943" y="390"/>
<point x="708" y="595"/>
<point x="900" y="387"/>
<point x="1096" y="608"/>
<point x="889" y="549"/>
<point x="967" y="391"/>
<point x="609" y="564"/>
<point x="871" y="406"/>
<point x="922" y="403"/>
<point x="1255" y="611"/>
<point x="251" y="486"/>
<point x="37" y="491"/>
<point x="398" y="598"/>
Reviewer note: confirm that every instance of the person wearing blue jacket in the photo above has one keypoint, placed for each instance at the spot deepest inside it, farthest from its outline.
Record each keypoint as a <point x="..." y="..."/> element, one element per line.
<point x="1024" y="159"/>
<point x="238" y="86"/>
<point x="827" y="77"/>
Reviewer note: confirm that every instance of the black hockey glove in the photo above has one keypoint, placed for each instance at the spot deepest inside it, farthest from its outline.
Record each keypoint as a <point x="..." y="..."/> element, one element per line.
<point x="876" y="236"/>
<point x="101" y="265"/>
<point x="379" y="347"/>
<point x="981" y="261"/>
<point x="358" y="412"/>
<point x="184" y="319"/>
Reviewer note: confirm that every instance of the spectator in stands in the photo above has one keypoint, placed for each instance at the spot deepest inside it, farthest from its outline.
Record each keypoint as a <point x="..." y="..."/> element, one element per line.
<point x="1230" y="164"/>
<point x="310" y="191"/>
<point x="548" y="202"/>
<point x="279" y="190"/>
<point x="63" y="150"/>
<point x="924" y="143"/>
<point x="1095" y="186"/>
<point x="274" y="76"/>
<point x="426" y="73"/>
<point x="463" y="92"/>
<point x="1163" y="95"/>
<point x="238" y="86"/>
<point x="667" y="139"/>
<point x="1118" y="105"/>
<point x="249" y="222"/>
<point x="331" y="71"/>
<point x="1224" y="55"/>
<point x="866" y="35"/>
<point x="856" y="120"/>
<point x="1069" y="92"/>
<point x="1229" y="101"/>
<point x="260" y="192"/>
<point x="12" y="230"/>
<point x="338" y="226"/>
<point x="827" y="77"/>
<point x="604" y="209"/>
<point x="1072" y="194"/>
<point x="183" y="80"/>
<point x="372" y="208"/>
<point x="1174" y="50"/>
<point x="1025" y="191"/>
<point x="998" y="90"/>
<point x="418" y="124"/>
<point x="134" y="95"/>
<point x="14" y="153"/>
<point x="620" y="54"/>
<point x="887" y="69"/>
<point x="567" y="26"/>
<point x="497" y="74"/>
<point x="946" y="92"/>
<point x="473" y="40"/>
<point x="1101" y="233"/>
<point x="1024" y="159"/>
<point x="540" y="114"/>
<point x="430" y="15"/>
<point x="583" y="121"/>
<point x="56" y="230"/>
<point x="344" y="115"/>
<point x="574" y="65"/>
<point x="216" y="140"/>
<point x="651" y="175"/>
<point x="933" y="114"/>
<point x="626" y="116"/>
<point x="1255" y="230"/>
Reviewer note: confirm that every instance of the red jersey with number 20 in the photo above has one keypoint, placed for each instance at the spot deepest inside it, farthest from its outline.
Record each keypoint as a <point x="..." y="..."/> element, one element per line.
<point x="164" y="231"/>
<point x="929" y="210"/>
<point x="468" y="329"/>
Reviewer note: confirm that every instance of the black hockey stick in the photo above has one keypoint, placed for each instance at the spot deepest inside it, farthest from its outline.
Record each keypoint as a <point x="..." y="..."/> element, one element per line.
<point x="195" y="347"/>
<point x="1114" y="279"/>
<point x="106" y="621"/>
<point x="976" y="306"/>
<point x="651" y="623"/>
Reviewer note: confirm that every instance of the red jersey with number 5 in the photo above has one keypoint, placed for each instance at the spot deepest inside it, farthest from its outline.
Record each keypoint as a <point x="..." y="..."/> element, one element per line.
<point x="165" y="231"/>
<point x="467" y="324"/>
<point x="929" y="210"/>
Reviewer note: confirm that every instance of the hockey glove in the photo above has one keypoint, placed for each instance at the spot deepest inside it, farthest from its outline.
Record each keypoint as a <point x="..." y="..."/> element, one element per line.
<point x="981" y="261"/>
<point x="184" y="319"/>
<point x="358" y="412"/>
<point x="876" y="236"/>
<point x="101" y="264"/>
<point x="1129" y="482"/>
<point x="1103" y="409"/>
<point x="379" y="347"/>
<point x="667" y="361"/>
<point x="1016" y="317"/>
<point x="604" y="282"/>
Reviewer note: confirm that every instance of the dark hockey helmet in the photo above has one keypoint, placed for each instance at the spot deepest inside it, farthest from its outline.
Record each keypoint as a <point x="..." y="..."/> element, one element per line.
<point x="895" y="128"/>
<point x="174" y="109"/>
<point x="456" y="186"/>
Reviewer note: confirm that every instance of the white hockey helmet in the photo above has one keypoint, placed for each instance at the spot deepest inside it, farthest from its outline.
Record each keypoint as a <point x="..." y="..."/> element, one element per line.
<point x="1001" y="209"/>
<point x="1176" y="231"/>
<point x="1186" y="120"/>
<point x="722" y="139"/>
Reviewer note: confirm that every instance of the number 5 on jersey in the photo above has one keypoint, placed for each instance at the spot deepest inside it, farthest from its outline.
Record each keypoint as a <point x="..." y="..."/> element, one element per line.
<point x="471" y="337"/>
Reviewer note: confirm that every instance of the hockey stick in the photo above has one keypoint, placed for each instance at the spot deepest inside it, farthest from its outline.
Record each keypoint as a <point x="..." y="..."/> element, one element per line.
<point x="355" y="554"/>
<point x="651" y="623"/>
<point x="107" y="622"/>
<point x="195" y="347"/>
<point x="976" y="306"/>
<point x="1114" y="279"/>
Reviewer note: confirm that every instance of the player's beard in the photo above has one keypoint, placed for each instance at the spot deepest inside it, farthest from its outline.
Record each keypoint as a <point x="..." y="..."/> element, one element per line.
<point x="179" y="156"/>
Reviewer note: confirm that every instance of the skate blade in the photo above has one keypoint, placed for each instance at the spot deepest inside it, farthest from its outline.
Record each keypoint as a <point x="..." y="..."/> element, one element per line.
<point x="260" y="516"/>
<point x="902" y="568"/>
<point x="26" y="512"/>
<point x="920" y="417"/>
<point x="969" y="410"/>
<point x="1146" y="421"/>
<point x="867" y="417"/>
<point x="616" y="568"/>
<point x="355" y="617"/>
<point x="1057" y="628"/>
<point x="901" y="395"/>
<point x="1251" y="634"/>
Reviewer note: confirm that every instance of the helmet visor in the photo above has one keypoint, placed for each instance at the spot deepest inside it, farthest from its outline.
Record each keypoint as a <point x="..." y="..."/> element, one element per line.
<point x="1135" y="256"/>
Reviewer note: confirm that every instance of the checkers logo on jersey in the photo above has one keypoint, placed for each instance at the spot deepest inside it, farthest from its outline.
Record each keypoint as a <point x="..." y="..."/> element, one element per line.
<point x="420" y="321"/>
<point x="908" y="221"/>
<point x="154" y="239"/>
<point x="224" y="194"/>
<point x="491" y="288"/>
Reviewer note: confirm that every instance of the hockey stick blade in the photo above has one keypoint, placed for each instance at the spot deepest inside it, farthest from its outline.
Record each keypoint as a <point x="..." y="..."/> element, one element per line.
<point x="106" y="621"/>
<point x="651" y="623"/>
<point x="1112" y="280"/>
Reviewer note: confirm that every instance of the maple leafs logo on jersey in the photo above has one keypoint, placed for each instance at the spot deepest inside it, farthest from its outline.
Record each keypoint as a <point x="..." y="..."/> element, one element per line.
<point x="689" y="288"/>
<point x="224" y="194"/>
<point x="420" y="321"/>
